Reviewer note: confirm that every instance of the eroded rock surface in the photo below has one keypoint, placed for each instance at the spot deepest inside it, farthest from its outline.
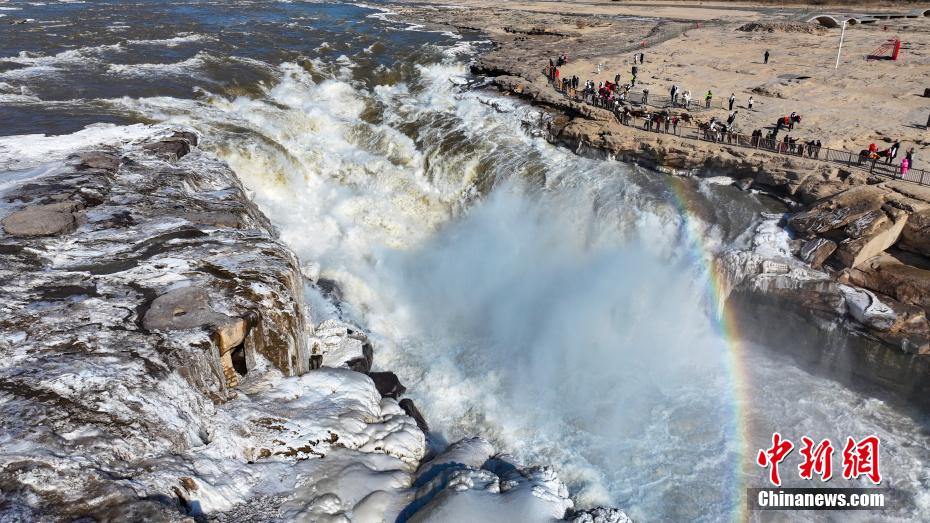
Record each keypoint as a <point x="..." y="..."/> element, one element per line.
<point x="155" y="360"/>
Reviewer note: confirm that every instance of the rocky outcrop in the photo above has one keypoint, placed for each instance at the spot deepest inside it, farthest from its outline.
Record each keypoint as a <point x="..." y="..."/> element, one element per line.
<point x="886" y="274"/>
<point x="838" y="211"/>
<point x="915" y="237"/>
<point x="159" y="362"/>
<point x="859" y="235"/>
<point x="880" y="299"/>
<point x="42" y="220"/>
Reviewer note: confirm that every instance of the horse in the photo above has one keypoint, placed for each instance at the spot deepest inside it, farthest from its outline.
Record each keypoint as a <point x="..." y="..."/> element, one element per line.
<point x="866" y="154"/>
<point x="796" y="119"/>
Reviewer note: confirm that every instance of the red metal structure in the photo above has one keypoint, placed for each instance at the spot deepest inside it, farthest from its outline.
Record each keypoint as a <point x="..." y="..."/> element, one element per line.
<point x="889" y="50"/>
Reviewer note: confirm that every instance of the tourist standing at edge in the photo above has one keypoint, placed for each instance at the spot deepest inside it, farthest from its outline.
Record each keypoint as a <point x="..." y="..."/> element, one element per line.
<point x="750" y="103"/>
<point x="893" y="152"/>
<point x="732" y="101"/>
<point x="707" y="99"/>
<point x="765" y="57"/>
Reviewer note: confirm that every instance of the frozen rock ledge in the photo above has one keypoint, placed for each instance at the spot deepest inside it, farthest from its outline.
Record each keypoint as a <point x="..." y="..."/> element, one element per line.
<point x="158" y="362"/>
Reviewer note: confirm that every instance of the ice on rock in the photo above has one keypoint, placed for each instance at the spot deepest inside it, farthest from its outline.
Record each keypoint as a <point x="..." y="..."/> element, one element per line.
<point x="343" y="345"/>
<point x="601" y="515"/>
<point x="466" y="483"/>
<point x="155" y="362"/>
<point x="866" y="308"/>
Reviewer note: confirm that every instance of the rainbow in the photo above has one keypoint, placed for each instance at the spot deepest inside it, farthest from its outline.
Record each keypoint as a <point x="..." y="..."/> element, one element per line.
<point x="725" y="325"/>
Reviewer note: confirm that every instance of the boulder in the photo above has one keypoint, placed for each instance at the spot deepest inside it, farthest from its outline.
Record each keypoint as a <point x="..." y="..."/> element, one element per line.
<point x="184" y="308"/>
<point x="815" y="189"/>
<point x="867" y="309"/>
<point x="388" y="384"/>
<point x="884" y="233"/>
<point x="839" y="210"/>
<point x="97" y="160"/>
<point x="887" y="275"/>
<point x="171" y="149"/>
<point x="916" y="234"/>
<point x="816" y="251"/>
<point x="867" y="224"/>
<point x="42" y="220"/>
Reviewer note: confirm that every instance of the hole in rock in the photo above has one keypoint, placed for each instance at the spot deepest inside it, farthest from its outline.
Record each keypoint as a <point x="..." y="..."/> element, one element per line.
<point x="238" y="360"/>
<point x="179" y="312"/>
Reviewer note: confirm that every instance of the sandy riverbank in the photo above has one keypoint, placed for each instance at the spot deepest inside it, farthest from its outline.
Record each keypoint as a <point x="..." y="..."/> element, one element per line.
<point x="700" y="48"/>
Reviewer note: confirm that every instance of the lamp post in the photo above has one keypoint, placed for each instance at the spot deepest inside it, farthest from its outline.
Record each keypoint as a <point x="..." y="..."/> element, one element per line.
<point x="840" y="48"/>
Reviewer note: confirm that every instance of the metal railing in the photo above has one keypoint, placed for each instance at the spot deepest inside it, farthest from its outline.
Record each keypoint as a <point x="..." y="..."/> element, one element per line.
<point x="780" y="147"/>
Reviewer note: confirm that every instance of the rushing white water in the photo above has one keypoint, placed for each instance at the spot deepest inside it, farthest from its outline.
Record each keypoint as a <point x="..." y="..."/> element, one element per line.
<point x="549" y="302"/>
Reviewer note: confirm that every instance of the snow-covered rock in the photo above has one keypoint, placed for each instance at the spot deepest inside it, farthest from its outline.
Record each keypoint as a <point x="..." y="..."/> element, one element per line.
<point x="156" y="356"/>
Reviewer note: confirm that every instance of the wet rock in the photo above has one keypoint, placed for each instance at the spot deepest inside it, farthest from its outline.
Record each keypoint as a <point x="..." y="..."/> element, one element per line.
<point x="330" y="289"/>
<point x="816" y="251"/>
<point x="42" y="220"/>
<point x="363" y="364"/>
<point x="388" y="384"/>
<point x="411" y="410"/>
<point x="344" y="345"/>
<point x="789" y="180"/>
<point x="97" y="160"/>
<point x="188" y="136"/>
<point x="173" y="149"/>
<point x="217" y="219"/>
<point x="469" y="469"/>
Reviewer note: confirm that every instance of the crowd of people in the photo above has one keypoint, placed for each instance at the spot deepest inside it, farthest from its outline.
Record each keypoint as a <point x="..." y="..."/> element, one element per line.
<point x="618" y="98"/>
